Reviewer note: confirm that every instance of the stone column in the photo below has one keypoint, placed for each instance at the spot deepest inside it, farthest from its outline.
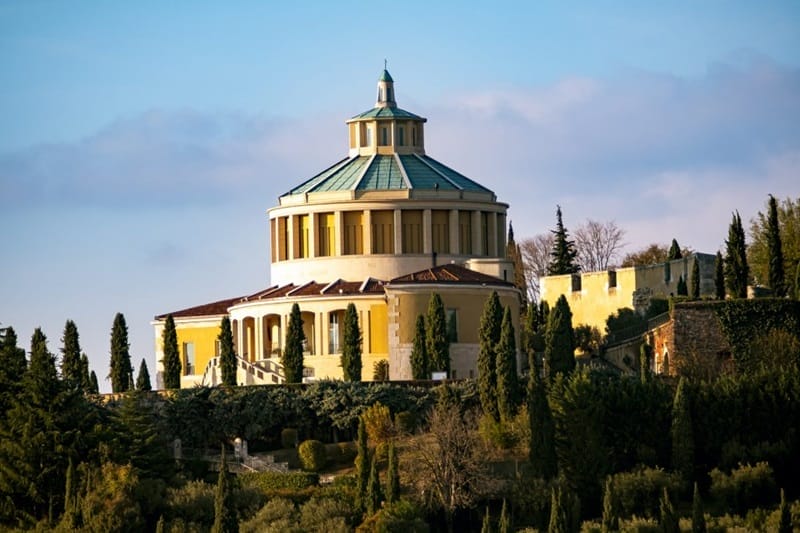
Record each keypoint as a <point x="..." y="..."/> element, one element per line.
<point x="477" y="249"/>
<point x="427" y="232"/>
<point x="323" y="318"/>
<point x="367" y="231"/>
<point x="338" y="234"/>
<point x="312" y="234"/>
<point x="398" y="231"/>
<point x="455" y="244"/>
<point x="259" y="348"/>
<point x="492" y="234"/>
<point x="290" y="222"/>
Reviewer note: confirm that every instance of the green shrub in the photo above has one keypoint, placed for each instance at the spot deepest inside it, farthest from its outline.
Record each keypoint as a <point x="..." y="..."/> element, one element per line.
<point x="325" y="514"/>
<point x="194" y="502"/>
<point x="277" y="515"/>
<point x="312" y="455"/>
<point x="399" y="517"/>
<point x="496" y="433"/>
<point x="289" y="438"/>
<point x="270" y="482"/>
<point x="746" y="487"/>
<point x="639" y="491"/>
<point x="404" y="421"/>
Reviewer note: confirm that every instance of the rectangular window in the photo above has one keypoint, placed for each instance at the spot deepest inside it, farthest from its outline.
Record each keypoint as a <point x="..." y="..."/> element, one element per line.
<point x="413" y="135"/>
<point x="440" y="231"/>
<point x="465" y="232"/>
<point x="301" y="236"/>
<point x="334" y="332"/>
<point x="325" y="224"/>
<point x="188" y="358"/>
<point x="452" y="325"/>
<point x="612" y="279"/>
<point x="384" y="136"/>
<point x="382" y="232"/>
<point x="353" y="233"/>
<point x="401" y="136"/>
<point x="369" y="136"/>
<point x="283" y="238"/>
<point x="412" y="231"/>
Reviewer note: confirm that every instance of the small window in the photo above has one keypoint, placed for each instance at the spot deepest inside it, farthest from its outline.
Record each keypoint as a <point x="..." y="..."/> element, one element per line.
<point x="576" y="283"/>
<point x="612" y="279"/>
<point x="401" y="136"/>
<point x="452" y="325"/>
<point x="414" y="136"/>
<point x="188" y="358"/>
<point x="384" y="136"/>
<point x="389" y="95"/>
<point x="369" y="136"/>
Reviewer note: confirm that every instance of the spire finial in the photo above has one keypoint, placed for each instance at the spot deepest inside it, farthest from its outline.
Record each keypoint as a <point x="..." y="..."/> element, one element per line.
<point x="385" y="63"/>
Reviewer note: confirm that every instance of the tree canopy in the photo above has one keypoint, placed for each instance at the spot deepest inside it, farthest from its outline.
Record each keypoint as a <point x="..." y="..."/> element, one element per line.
<point x="563" y="256"/>
<point x="121" y="370"/>
<point x="172" y="359"/>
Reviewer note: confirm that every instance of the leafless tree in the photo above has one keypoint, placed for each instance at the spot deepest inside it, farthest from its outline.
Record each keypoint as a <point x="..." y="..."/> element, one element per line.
<point x="535" y="258"/>
<point x="451" y="471"/>
<point x="598" y="244"/>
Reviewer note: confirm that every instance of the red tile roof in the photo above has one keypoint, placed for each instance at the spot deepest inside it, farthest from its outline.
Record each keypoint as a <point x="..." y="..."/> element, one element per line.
<point x="210" y="309"/>
<point x="451" y="273"/>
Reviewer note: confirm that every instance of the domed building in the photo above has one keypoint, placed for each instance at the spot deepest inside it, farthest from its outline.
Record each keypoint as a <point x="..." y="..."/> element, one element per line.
<point x="383" y="228"/>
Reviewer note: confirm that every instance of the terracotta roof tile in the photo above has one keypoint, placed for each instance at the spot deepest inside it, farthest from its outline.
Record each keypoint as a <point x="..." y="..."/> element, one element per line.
<point x="210" y="309"/>
<point x="451" y="273"/>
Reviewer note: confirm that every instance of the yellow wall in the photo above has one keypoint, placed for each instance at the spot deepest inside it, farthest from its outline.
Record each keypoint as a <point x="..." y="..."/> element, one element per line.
<point x="204" y="339"/>
<point x="377" y="329"/>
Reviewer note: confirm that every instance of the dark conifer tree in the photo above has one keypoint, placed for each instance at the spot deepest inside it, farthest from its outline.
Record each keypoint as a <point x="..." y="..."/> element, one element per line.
<point x="563" y="256"/>
<point x="86" y="382"/>
<point x="682" y="289"/>
<point x="374" y="492"/>
<point x="292" y="358"/>
<point x="121" y="369"/>
<point x="351" y="345"/>
<point x="41" y="379"/>
<point x="777" y="281"/>
<point x="143" y="379"/>
<point x="94" y="386"/>
<point x="486" y="526"/>
<point x="669" y="521"/>
<point x="71" y="355"/>
<point x="682" y="436"/>
<point x="542" y="454"/>
<point x="392" y="475"/>
<point x="69" y="520"/>
<point x="227" y="355"/>
<point x="436" y="339"/>
<point x="504" y="524"/>
<point x="785" y="519"/>
<point x="558" y="516"/>
<point x="172" y="358"/>
<point x="674" y="251"/>
<point x="12" y="367"/>
<point x="489" y="339"/>
<point x="719" y="277"/>
<point x="225" y="520"/>
<point x="508" y="393"/>
<point x="736" y="269"/>
<point x="694" y="286"/>
<point x="698" y="515"/>
<point x="420" y="368"/>
<point x="610" y="521"/>
<point x="559" y="350"/>
<point x="514" y="253"/>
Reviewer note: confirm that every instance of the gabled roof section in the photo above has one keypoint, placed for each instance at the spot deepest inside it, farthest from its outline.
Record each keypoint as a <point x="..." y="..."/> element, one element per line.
<point x="451" y="273"/>
<point x="388" y="112"/>
<point x="210" y="309"/>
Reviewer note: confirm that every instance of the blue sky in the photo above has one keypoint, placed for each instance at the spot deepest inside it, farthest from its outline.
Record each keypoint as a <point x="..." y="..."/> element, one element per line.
<point x="142" y="142"/>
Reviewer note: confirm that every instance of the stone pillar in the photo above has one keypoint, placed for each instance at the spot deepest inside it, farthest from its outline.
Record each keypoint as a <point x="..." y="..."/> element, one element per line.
<point x="427" y="232"/>
<point x="477" y="249"/>
<point x="398" y="231"/>
<point x="492" y="234"/>
<point x="313" y="220"/>
<point x="259" y="349"/>
<point x="323" y="318"/>
<point x="367" y="231"/>
<point x="455" y="244"/>
<point x="338" y="234"/>
<point x="240" y="347"/>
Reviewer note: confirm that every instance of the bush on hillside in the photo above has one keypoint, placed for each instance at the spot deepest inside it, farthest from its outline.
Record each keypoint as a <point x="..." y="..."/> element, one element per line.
<point x="639" y="491"/>
<point x="289" y="438"/>
<point x="312" y="455"/>
<point x="746" y="487"/>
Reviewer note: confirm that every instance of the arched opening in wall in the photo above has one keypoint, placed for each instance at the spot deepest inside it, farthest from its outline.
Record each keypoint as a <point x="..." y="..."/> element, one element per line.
<point x="249" y="338"/>
<point x="309" y="330"/>
<point x="335" y="336"/>
<point x="271" y="326"/>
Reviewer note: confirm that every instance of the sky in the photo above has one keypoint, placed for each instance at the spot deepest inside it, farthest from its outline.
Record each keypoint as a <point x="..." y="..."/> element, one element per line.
<point x="141" y="143"/>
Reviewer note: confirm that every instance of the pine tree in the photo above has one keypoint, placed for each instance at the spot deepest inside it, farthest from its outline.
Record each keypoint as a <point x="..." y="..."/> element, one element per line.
<point x="698" y="515"/>
<point x="719" y="277"/>
<point x="86" y="382"/>
<point x="682" y="289"/>
<point x="682" y="437"/>
<point x="489" y="339"/>
<point x="227" y="355"/>
<point x="436" y="341"/>
<point x="374" y="492"/>
<point x="362" y="462"/>
<point x="71" y="355"/>
<point x="351" y="345"/>
<point x="542" y="452"/>
<point x="508" y="393"/>
<point x="564" y="253"/>
<point x="736" y="269"/>
<point x="674" y="251"/>
<point x="94" y="387"/>
<point x="785" y="520"/>
<point x="143" y="379"/>
<point x="419" y="352"/>
<point x="292" y="357"/>
<point x="559" y="350"/>
<point x="172" y="359"/>
<point x="669" y="522"/>
<point x="392" y="475"/>
<point x="558" y="518"/>
<point x="610" y="520"/>
<point x="225" y="520"/>
<point x="12" y="367"/>
<point x="645" y="356"/>
<point x="121" y="369"/>
<point x="41" y="379"/>
<point x="777" y="281"/>
<point x="694" y="286"/>
<point x="504" y="524"/>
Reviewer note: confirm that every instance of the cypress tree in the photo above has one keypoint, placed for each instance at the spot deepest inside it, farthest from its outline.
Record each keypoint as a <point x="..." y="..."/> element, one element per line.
<point x="94" y="388"/>
<point x="172" y="359"/>
<point x="645" y="356"/>
<point x="392" y="475"/>
<point x="12" y="367"/>
<point x="736" y="269"/>
<point x="292" y="357"/>
<point x="420" y="368"/>
<point x="674" y="251"/>
<point x="374" y="492"/>
<point x="559" y="349"/>
<point x="121" y="369"/>
<point x="70" y="516"/>
<point x="86" y="382"/>
<point x="351" y="347"/>
<point x="682" y="437"/>
<point x="542" y="452"/>
<point x="362" y="462"/>
<point x="143" y="379"/>
<point x="564" y="253"/>
<point x="71" y="355"/>
<point x="227" y="356"/>
<point x="610" y="521"/>
<point x="777" y="281"/>
<point x="225" y="520"/>
<point x="694" y="287"/>
<point x="436" y="341"/>
<point x="698" y="515"/>
<point x="486" y="526"/>
<point x="669" y="522"/>
<point x="558" y="518"/>
<point x="508" y="393"/>
<point x="719" y="277"/>
<point x="682" y="289"/>
<point x="514" y="253"/>
<point x="489" y="339"/>
<point x="504" y="524"/>
<point x="785" y="520"/>
<point x="41" y="379"/>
